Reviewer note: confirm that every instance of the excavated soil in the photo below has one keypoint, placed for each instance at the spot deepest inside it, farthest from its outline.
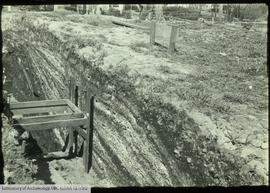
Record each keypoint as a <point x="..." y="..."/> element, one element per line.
<point x="198" y="117"/>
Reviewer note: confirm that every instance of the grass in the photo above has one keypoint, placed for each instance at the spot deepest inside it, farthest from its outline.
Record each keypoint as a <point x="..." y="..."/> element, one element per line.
<point x="164" y="69"/>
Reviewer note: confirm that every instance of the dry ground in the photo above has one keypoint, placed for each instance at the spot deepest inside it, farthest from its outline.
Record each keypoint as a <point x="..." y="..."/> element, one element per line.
<point x="199" y="117"/>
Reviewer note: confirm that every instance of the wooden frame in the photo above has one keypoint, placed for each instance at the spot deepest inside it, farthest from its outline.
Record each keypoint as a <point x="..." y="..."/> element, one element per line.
<point x="22" y="110"/>
<point x="67" y="115"/>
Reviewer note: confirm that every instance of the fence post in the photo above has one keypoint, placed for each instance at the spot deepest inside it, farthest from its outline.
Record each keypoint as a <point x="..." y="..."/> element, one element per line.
<point x="173" y="39"/>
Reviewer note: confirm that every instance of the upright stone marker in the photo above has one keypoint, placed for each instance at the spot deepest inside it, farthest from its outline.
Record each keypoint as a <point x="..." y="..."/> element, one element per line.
<point x="172" y="39"/>
<point x="164" y="35"/>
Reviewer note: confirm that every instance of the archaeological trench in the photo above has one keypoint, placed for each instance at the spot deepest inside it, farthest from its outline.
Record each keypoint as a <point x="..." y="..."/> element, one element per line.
<point x="139" y="139"/>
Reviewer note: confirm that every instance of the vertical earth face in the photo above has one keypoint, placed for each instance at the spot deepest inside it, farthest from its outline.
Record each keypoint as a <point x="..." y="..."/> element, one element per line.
<point x="195" y="118"/>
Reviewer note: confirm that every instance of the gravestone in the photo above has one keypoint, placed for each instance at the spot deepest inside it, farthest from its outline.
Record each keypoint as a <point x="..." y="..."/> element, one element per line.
<point x="164" y="35"/>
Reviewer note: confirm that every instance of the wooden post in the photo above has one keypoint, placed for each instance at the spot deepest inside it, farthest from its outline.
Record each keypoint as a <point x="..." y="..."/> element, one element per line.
<point x="75" y="133"/>
<point x="152" y="35"/>
<point x="84" y="94"/>
<point x="70" y="141"/>
<point x="88" y="143"/>
<point x="23" y="147"/>
<point x="71" y="89"/>
<point x="91" y="131"/>
<point x="71" y="132"/>
<point x="76" y="95"/>
<point x="81" y="99"/>
<point x="173" y="39"/>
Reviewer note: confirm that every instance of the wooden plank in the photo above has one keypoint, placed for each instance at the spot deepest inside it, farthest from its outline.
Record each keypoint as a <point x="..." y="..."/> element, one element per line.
<point x="73" y="107"/>
<point x="81" y="132"/>
<point x="24" y="120"/>
<point x="118" y="22"/>
<point x="53" y="124"/>
<point x="57" y="154"/>
<point x="38" y="110"/>
<point x="42" y="103"/>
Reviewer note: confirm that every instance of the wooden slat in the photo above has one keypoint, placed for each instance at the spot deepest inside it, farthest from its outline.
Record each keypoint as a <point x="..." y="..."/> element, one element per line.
<point x="57" y="154"/>
<point x="73" y="107"/>
<point x="43" y="103"/>
<point x="36" y="110"/>
<point x="24" y="120"/>
<point x="52" y="124"/>
<point x="81" y="132"/>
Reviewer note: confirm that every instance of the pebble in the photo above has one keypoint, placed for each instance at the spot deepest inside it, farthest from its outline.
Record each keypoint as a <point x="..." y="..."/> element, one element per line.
<point x="211" y="169"/>
<point x="264" y="145"/>
<point x="204" y="150"/>
<point x="176" y="151"/>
